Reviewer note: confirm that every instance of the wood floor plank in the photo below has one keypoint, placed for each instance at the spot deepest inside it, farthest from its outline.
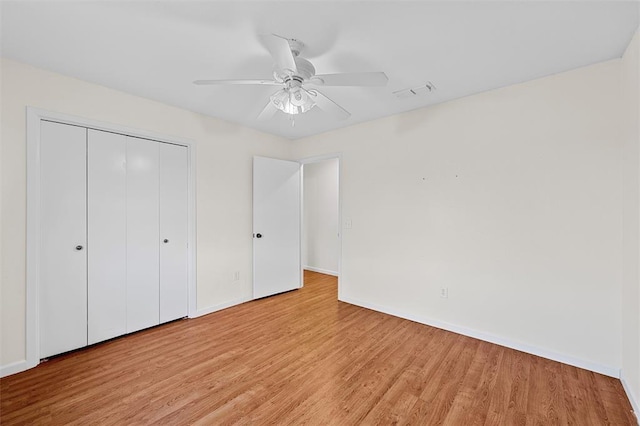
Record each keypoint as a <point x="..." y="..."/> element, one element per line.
<point x="545" y="398"/>
<point x="471" y="403"/>
<point x="305" y="358"/>
<point x="510" y="391"/>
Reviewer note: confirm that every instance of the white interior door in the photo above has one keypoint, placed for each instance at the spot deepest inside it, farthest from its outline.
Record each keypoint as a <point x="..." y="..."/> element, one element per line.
<point x="276" y="226"/>
<point x="107" y="235"/>
<point x="143" y="230"/>
<point x="63" y="254"/>
<point x="174" y="199"/>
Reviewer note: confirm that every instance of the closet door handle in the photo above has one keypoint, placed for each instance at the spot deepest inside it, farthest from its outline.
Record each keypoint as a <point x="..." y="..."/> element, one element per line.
<point x="78" y="248"/>
<point x="165" y="241"/>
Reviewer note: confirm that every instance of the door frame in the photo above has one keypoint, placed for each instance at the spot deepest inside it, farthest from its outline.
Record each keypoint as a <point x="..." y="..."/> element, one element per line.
<point x="319" y="159"/>
<point x="34" y="118"/>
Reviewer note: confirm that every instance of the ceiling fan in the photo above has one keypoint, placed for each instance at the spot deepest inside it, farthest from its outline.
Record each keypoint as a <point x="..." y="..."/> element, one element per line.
<point x="292" y="73"/>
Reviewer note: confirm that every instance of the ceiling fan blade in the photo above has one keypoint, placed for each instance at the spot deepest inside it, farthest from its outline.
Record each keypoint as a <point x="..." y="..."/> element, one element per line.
<point x="280" y="51"/>
<point x="351" y="79"/>
<point x="328" y="105"/>
<point x="263" y="82"/>
<point x="268" y="111"/>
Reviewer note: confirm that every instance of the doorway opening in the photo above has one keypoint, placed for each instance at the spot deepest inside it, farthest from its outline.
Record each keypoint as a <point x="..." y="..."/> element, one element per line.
<point x="321" y="233"/>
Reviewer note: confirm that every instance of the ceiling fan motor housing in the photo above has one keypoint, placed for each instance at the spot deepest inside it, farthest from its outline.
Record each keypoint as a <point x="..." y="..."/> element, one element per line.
<point x="296" y="46"/>
<point x="305" y="71"/>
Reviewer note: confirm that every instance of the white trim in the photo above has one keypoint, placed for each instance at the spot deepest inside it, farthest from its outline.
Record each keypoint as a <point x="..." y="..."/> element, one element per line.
<point x="321" y="271"/>
<point x="301" y="224"/>
<point x="631" y="397"/>
<point x="32" y="331"/>
<point x="607" y="370"/>
<point x="221" y="306"/>
<point x="104" y="126"/>
<point x="15" y="367"/>
<point x="321" y="158"/>
<point x="317" y="159"/>
<point x="34" y="117"/>
<point x="192" y="276"/>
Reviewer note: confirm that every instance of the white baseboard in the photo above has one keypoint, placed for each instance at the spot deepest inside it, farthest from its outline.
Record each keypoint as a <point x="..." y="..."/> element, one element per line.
<point x="15" y="367"/>
<point x="632" y="398"/>
<point x="321" y="271"/>
<point x="487" y="337"/>
<point x="221" y="306"/>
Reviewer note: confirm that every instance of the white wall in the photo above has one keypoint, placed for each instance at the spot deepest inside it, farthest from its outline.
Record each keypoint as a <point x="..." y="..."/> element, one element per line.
<point x="224" y="164"/>
<point x="510" y="198"/>
<point x="320" y="234"/>
<point x="631" y="218"/>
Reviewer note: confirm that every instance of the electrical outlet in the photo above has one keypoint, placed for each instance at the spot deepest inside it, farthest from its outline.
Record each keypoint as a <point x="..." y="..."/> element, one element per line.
<point x="236" y="276"/>
<point x="444" y="292"/>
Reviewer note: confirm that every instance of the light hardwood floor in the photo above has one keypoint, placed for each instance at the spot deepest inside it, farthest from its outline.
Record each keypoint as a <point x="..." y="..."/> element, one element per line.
<point x="305" y="358"/>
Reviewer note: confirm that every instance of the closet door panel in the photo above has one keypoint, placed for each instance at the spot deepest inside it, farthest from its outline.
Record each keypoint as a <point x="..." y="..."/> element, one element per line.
<point x="173" y="232"/>
<point x="107" y="235"/>
<point x="143" y="229"/>
<point x="62" y="294"/>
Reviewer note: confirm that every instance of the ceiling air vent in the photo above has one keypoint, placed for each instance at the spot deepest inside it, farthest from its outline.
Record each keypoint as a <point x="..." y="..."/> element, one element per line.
<point x="428" y="87"/>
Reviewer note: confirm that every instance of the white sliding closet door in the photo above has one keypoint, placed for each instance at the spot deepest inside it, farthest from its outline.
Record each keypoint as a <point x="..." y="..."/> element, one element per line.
<point x="173" y="231"/>
<point x="63" y="254"/>
<point x="143" y="229"/>
<point x="107" y="235"/>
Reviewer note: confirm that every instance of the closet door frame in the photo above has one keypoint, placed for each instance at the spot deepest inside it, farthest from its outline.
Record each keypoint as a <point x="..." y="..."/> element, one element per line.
<point x="34" y="118"/>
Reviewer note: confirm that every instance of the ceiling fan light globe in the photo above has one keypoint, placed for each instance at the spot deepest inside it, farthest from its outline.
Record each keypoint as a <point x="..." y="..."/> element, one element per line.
<point x="292" y="101"/>
<point x="301" y="98"/>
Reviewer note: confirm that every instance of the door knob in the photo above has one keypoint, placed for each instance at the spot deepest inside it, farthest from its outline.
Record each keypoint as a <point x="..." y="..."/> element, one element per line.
<point x="258" y="235"/>
<point x="166" y="241"/>
<point x="78" y="247"/>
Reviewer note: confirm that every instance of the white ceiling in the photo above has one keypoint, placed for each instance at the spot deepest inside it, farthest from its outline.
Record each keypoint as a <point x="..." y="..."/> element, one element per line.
<point x="156" y="49"/>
